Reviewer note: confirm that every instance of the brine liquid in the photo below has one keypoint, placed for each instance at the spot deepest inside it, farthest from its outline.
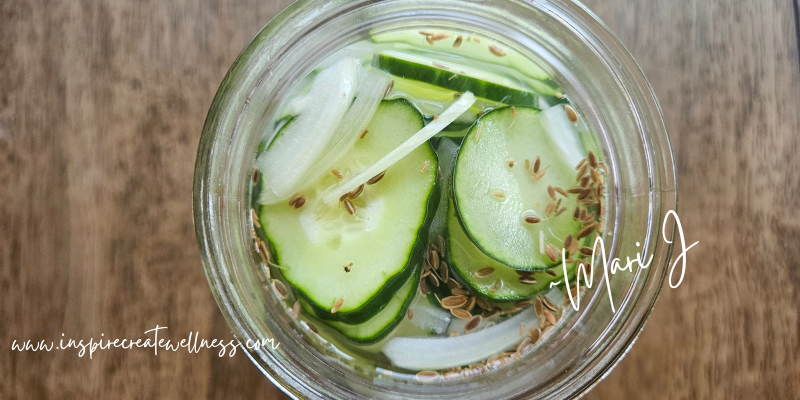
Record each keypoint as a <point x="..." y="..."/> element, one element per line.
<point x="435" y="341"/>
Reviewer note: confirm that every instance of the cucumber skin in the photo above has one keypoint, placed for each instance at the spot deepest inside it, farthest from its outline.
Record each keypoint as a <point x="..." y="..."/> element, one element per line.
<point x="461" y="83"/>
<point x="454" y="272"/>
<point x="375" y="304"/>
<point x="389" y="328"/>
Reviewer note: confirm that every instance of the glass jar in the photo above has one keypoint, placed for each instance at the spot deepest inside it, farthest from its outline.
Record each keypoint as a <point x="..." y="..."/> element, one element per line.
<point x="589" y="64"/>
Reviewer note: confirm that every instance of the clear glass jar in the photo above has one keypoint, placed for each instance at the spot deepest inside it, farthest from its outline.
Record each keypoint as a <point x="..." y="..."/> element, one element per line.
<point x="581" y="55"/>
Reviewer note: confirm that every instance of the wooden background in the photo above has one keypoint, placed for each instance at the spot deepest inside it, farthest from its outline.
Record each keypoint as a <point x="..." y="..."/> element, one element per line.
<point x="101" y="107"/>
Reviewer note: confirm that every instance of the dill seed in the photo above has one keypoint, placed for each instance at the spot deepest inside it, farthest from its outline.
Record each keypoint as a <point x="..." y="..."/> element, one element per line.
<point x="426" y="33"/>
<point x="356" y="192"/>
<point x="568" y="241"/>
<point x="537" y="163"/>
<point x="424" y="166"/>
<point x="440" y="36"/>
<point x="560" y="211"/>
<point x="511" y="163"/>
<point x="576" y="214"/>
<point x="527" y="164"/>
<point x="535" y="334"/>
<point x="452" y="283"/>
<point x="561" y="191"/>
<point x="550" y="317"/>
<point x="457" y="42"/>
<point x="472" y="324"/>
<point x="575" y="190"/>
<point x="388" y="90"/>
<point x="337" y="305"/>
<point x="459" y="292"/>
<point x="263" y="252"/>
<point x="348" y="267"/>
<point x="584" y="194"/>
<point x="582" y="171"/>
<point x="595" y="175"/>
<point x="490" y="313"/>
<point x="280" y="289"/>
<point x="540" y="174"/>
<point x="550" y="272"/>
<point x="603" y="166"/>
<point x="483" y="304"/>
<point x="592" y="159"/>
<point x="300" y="203"/>
<point x="496" y="50"/>
<point x="513" y="114"/>
<point x="254" y="216"/>
<point x="348" y="205"/>
<point x="428" y="39"/>
<point x="433" y="279"/>
<point x="499" y="194"/>
<point x="550" y="207"/>
<point x="586" y="230"/>
<point x="423" y="287"/>
<point x="583" y="215"/>
<point x="470" y="304"/>
<point x="427" y="375"/>
<point x="527" y="280"/>
<point x="410" y="314"/>
<point x="551" y="192"/>
<point x="484" y="272"/>
<point x="459" y="313"/>
<point x="375" y="179"/>
<point x="336" y="173"/>
<point x="552" y="252"/>
<point x="440" y="66"/>
<point x="532" y="219"/>
<point x="363" y="134"/>
<point x="571" y="114"/>
<point x="444" y="271"/>
<point x="537" y="306"/>
<point x="295" y="199"/>
<point x="495" y="286"/>
<point x="549" y="304"/>
<point x="598" y="191"/>
<point x="434" y="259"/>
<point x="255" y="175"/>
<point x="585" y="181"/>
<point x="476" y="40"/>
<point x="558" y="203"/>
<point x="525" y="342"/>
<point x="600" y="209"/>
<point x="311" y="327"/>
<point x="580" y="164"/>
<point x="451" y="302"/>
<point x="296" y="309"/>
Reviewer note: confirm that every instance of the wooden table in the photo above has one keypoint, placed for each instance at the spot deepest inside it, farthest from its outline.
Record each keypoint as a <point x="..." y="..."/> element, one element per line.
<point x="101" y="107"/>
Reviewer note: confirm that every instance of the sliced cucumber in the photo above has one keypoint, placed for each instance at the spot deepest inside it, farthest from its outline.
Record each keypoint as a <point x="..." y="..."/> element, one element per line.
<point x="466" y="259"/>
<point x="530" y="72"/>
<point x="493" y="198"/>
<point x="380" y="325"/>
<point x="455" y="76"/>
<point x="385" y="238"/>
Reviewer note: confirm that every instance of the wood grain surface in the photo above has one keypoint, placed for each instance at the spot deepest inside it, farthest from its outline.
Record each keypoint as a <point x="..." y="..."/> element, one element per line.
<point x="101" y="107"/>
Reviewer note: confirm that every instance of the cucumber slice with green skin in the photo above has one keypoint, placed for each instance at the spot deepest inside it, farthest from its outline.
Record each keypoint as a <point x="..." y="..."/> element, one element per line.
<point x="466" y="259"/>
<point x="533" y="75"/>
<point x="380" y="325"/>
<point x="455" y="76"/>
<point x="493" y="199"/>
<point x="385" y="239"/>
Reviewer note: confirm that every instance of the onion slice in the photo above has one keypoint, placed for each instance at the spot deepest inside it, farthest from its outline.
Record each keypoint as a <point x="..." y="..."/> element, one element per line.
<point x="289" y="159"/>
<point x="446" y="352"/>
<point x="448" y="116"/>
